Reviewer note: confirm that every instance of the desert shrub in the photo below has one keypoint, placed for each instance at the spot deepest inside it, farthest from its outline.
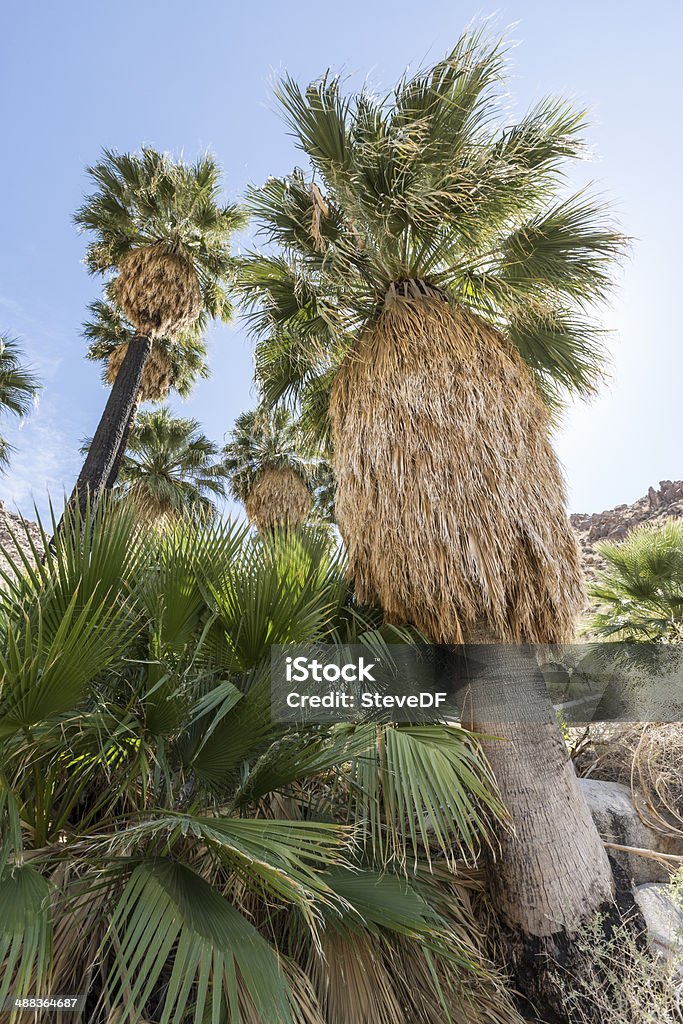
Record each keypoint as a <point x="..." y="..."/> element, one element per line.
<point x="623" y="982"/>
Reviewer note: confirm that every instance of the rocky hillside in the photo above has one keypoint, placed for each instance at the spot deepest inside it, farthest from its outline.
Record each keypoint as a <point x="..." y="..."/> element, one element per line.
<point x="662" y="503"/>
<point x="11" y="524"/>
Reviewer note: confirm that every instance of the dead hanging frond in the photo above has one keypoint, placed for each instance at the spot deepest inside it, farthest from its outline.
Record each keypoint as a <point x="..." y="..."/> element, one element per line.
<point x="319" y="209"/>
<point x="657" y="778"/>
<point x="158" y="291"/>
<point x="157" y="375"/>
<point x="278" y="497"/>
<point x="449" y="496"/>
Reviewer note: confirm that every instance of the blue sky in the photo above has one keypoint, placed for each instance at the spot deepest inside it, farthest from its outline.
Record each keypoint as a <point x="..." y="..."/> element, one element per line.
<point x="78" y="76"/>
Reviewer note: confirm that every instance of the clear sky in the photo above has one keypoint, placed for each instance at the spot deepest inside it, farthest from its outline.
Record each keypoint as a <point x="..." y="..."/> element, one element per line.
<point x="184" y="76"/>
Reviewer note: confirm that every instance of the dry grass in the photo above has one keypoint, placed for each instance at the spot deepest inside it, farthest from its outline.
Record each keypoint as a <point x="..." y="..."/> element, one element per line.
<point x="279" y="497"/>
<point x="622" y="983"/>
<point x="449" y="495"/>
<point x="657" y="776"/>
<point x="157" y="375"/>
<point x="158" y="291"/>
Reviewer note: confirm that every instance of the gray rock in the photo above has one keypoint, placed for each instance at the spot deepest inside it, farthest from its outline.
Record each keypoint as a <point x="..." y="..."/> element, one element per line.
<point x="617" y="821"/>
<point x="663" y="917"/>
<point x="13" y="533"/>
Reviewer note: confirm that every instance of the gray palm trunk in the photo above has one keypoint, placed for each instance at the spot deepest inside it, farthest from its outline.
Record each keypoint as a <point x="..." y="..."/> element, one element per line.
<point x="550" y="875"/>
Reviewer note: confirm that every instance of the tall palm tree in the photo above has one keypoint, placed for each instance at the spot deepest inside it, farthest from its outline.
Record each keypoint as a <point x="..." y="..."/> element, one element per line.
<point x="640" y="591"/>
<point x="19" y="388"/>
<point x="273" y="470"/>
<point x="160" y="227"/>
<point x="170" y="468"/>
<point x="433" y="281"/>
<point x="192" y="860"/>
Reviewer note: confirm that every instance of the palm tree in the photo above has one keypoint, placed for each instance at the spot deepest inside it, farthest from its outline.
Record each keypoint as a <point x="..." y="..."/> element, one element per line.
<point x="170" y="468"/>
<point x="640" y="591"/>
<point x="273" y="471"/>
<point x="167" y="847"/>
<point x="431" y="281"/>
<point x="160" y="227"/>
<point x="18" y="388"/>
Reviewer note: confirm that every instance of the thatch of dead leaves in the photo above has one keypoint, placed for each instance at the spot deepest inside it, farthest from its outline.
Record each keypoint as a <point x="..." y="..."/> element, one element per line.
<point x="279" y="497"/>
<point x="157" y="375"/>
<point x="449" y="496"/>
<point x="158" y="291"/>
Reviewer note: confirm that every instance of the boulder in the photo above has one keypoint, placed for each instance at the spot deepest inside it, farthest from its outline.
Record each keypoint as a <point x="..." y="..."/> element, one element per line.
<point x="663" y="917"/>
<point x="617" y="821"/>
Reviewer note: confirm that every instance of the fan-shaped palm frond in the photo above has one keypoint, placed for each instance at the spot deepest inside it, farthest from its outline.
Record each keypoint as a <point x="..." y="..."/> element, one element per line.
<point x="170" y="467"/>
<point x="160" y="835"/>
<point x="640" y="592"/>
<point x="19" y="388"/>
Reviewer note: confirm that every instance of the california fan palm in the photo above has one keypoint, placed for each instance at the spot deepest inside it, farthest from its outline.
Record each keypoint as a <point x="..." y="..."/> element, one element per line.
<point x="432" y="280"/>
<point x="161" y="229"/>
<point x="272" y="468"/>
<point x="170" y="469"/>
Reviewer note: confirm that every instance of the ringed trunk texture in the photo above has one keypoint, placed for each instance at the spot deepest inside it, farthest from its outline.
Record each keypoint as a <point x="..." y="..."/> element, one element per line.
<point x="452" y="506"/>
<point x="111" y="436"/>
<point x="279" y="497"/>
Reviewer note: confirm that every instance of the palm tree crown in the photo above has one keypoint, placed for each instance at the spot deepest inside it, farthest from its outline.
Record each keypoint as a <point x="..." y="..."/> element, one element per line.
<point x="18" y="388"/>
<point x="161" y="227"/>
<point x="148" y="203"/>
<point x="170" y="467"/>
<point x="274" y="470"/>
<point x="641" y="589"/>
<point x="428" y="190"/>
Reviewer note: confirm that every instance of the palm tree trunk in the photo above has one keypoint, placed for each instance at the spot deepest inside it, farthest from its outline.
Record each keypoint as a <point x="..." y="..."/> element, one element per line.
<point x="550" y="875"/>
<point x="114" y="427"/>
<point x="118" y="459"/>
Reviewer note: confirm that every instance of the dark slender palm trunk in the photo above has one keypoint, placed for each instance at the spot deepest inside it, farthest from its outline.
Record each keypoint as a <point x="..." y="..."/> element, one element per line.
<point x="104" y="456"/>
<point x="118" y="459"/>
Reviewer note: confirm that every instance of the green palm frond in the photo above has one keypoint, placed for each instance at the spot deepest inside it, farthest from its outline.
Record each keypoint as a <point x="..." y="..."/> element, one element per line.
<point x="169" y="914"/>
<point x="433" y="183"/>
<point x="424" y="786"/>
<point x="25" y="932"/>
<point x="640" y="592"/>
<point x="19" y="388"/>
